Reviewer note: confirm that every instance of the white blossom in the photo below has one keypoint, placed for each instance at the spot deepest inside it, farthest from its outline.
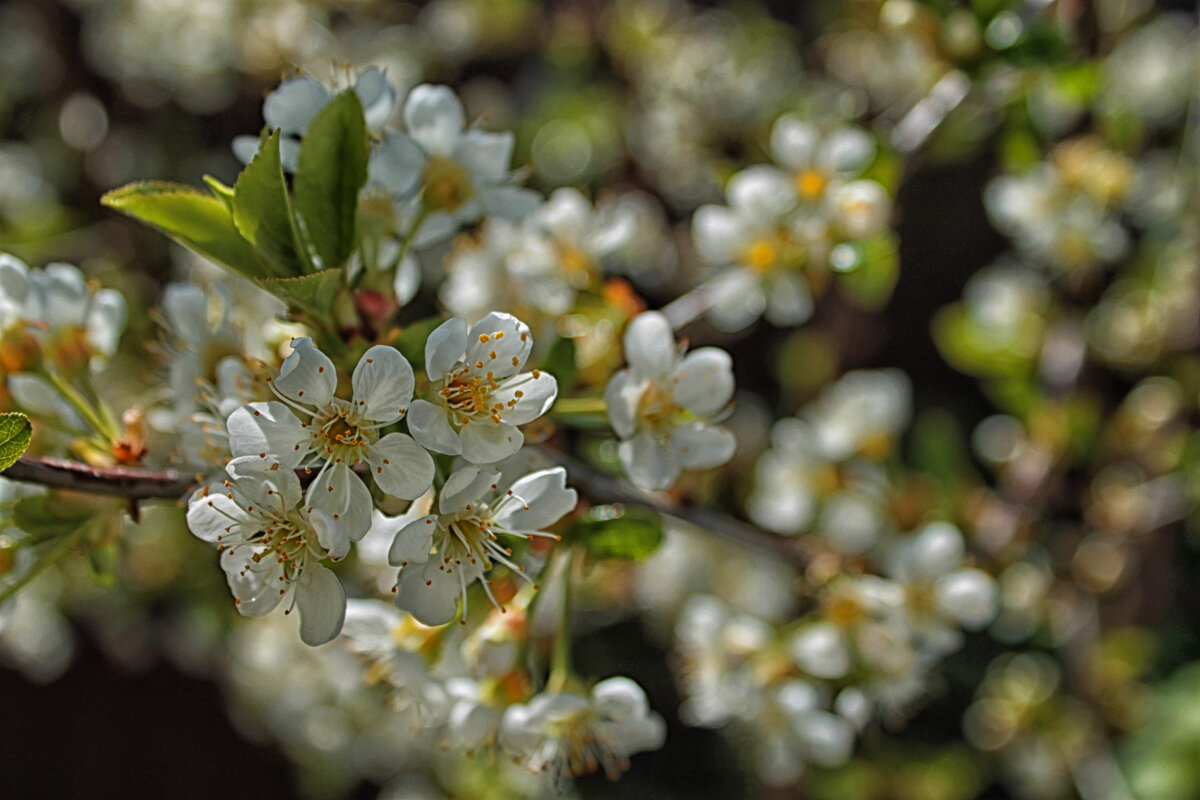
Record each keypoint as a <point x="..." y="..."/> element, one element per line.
<point x="339" y="434"/>
<point x="478" y="394"/>
<point x="569" y="733"/>
<point x="441" y="554"/>
<point x="663" y="405"/>
<point x="272" y="546"/>
<point x="455" y="173"/>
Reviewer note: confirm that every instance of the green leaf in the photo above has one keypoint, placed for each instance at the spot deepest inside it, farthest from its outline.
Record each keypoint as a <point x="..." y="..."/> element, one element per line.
<point x="313" y="294"/>
<point x="46" y="516"/>
<point x="411" y="343"/>
<point x="220" y="191"/>
<point x="331" y="171"/>
<point x="262" y="210"/>
<point x="939" y="448"/>
<point x="619" y="531"/>
<point x="871" y="278"/>
<point x="560" y="362"/>
<point x="15" y="433"/>
<point x="198" y="221"/>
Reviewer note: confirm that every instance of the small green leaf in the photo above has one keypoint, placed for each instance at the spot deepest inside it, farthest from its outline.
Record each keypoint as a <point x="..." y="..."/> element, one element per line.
<point x="220" y="191"/>
<point x="198" y="221"/>
<point x="939" y="448"/>
<point x="560" y="362"/>
<point x="411" y="343"/>
<point x="313" y="294"/>
<point x="46" y="517"/>
<point x="15" y="433"/>
<point x="619" y="531"/>
<point x="262" y="210"/>
<point x="331" y="171"/>
<point x="871" y="279"/>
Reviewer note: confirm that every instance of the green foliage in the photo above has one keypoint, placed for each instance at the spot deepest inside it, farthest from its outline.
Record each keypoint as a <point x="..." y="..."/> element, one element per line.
<point x="939" y="448"/>
<point x="560" y="362"/>
<point x="15" y="433"/>
<point x="313" y="294"/>
<point x="869" y="283"/>
<point x="619" y="531"/>
<point x="972" y="350"/>
<point x="45" y="517"/>
<point x="262" y="210"/>
<point x="332" y="169"/>
<point x="411" y="343"/>
<point x="198" y="221"/>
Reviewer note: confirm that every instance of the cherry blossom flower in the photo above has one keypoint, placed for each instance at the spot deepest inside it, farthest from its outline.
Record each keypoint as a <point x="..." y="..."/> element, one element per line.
<point x="479" y="394"/>
<point x="568" y="733"/>
<point x="455" y="173"/>
<point x="441" y="554"/>
<point x="339" y="434"/>
<point x="272" y="546"/>
<point x="663" y="405"/>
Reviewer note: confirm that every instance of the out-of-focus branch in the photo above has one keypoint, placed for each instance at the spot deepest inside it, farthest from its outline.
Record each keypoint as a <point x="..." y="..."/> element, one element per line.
<point x="600" y="487"/>
<point x="130" y="482"/>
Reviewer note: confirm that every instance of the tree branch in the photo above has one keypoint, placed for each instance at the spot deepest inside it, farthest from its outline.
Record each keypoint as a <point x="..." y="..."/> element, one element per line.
<point x="130" y="482"/>
<point x="600" y="487"/>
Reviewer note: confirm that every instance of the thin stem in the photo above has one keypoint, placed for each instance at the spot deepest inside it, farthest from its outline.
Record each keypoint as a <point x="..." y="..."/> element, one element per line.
<point x="600" y="487"/>
<point x="42" y="564"/>
<point x="560" y="663"/>
<point x="579" y="405"/>
<point x="80" y="404"/>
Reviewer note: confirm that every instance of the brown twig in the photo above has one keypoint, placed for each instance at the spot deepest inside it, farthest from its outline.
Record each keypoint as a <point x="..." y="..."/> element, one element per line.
<point x="130" y="482"/>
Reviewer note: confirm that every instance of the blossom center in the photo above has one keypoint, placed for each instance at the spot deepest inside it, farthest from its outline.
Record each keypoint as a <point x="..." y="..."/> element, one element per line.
<point x="339" y="434"/>
<point x="447" y="185"/>
<point x="811" y="183"/>
<point x="657" y="408"/>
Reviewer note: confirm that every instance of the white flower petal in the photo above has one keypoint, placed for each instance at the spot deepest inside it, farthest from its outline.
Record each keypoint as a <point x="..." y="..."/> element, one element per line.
<point x="307" y="375"/>
<point x="264" y="481"/>
<point x="789" y="301"/>
<point x="504" y="335"/>
<point x="619" y="699"/>
<point x="620" y="405"/>
<point x="64" y="294"/>
<point x="738" y="299"/>
<point x="292" y="106"/>
<point x="700" y="446"/>
<point x="761" y="193"/>
<point x="401" y="467"/>
<point x="342" y="495"/>
<point x="719" y="233"/>
<point x="413" y="542"/>
<point x="650" y="464"/>
<point x="383" y="384"/>
<point x="537" y="395"/>
<point x="794" y="142"/>
<point x="434" y="118"/>
<point x="508" y="202"/>
<point x="565" y="214"/>
<point x="428" y="594"/>
<point x="377" y="95"/>
<point x="547" y="497"/>
<point x="321" y="600"/>
<point x="105" y="321"/>
<point x="847" y="151"/>
<point x="267" y="429"/>
<point x="465" y="486"/>
<point x="704" y="381"/>
<point x="430" y="426"/>
<point x="487" y="443"/>
<point x="485" y="155"/>
<point x="408" y="279"/>
<point x="397" y="165"/>
<point x="255" y="584"/>
<point x="445" y="347"/>
<point x="216" y="518"/>
<point x="245" y="148"/>
<point x="650" y="345"/>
